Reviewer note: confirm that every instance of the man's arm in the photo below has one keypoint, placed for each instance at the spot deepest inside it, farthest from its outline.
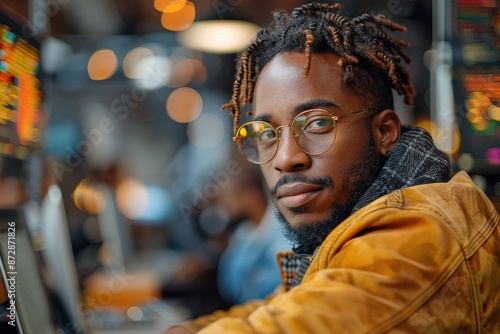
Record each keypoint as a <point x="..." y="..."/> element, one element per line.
<point x="362" y="280"/>
<point x="177" y="330"/>
<point x="237" y="311"/>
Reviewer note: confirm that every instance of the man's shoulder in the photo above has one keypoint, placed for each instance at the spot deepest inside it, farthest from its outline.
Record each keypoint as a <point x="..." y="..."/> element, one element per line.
<point x="454" y="200"/>
<point x="455" y="210"/>
<point x="459" y="201"/>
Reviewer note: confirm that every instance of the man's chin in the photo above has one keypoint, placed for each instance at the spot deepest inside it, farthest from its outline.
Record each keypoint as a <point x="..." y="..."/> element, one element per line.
<point x="304" y="219"/>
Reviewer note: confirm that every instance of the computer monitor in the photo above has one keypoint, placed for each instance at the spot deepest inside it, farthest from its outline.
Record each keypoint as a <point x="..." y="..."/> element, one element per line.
<point x="475" y="41"/>
<point x="20" y="89"/>
<point x="27" y="304"/>
<point x="101" y="320"/>
<point x="115" y="232"/>
<point x="58" y="256"/>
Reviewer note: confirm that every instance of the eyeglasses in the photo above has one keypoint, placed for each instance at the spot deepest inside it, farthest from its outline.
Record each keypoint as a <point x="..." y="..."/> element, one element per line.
<point x="313" y="130"/>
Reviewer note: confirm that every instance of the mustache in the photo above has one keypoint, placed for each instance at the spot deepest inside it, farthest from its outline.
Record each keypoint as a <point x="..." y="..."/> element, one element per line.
<point x="322" y="181"/>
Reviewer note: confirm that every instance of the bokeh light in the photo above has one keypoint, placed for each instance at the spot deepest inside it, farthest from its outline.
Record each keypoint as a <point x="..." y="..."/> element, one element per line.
<point x="156" y="72"/>
<point x="437" y="134"/>
<point x="480" y="111"/>
<point x="199" y="71"/>
<point x="494" y="112"/>
<point x="493" y="155"/>
<point x="169" y="6"/>
<point x="429" y="126"/>
<point x="206" y="132"/>
<point x="149" y="65"/>
<point x="88" y="197"/>
<point x="180" y="20"/>
<point x="182" y="72"/>
<point x="132" y="198"/>
<point x="132" y="61"/>
<point x="219" y="36"/>
<point x="102" y="64"/>
<point x="466" y="162"/>
<point x="135" y="313"/>
<point x="184" y="105"/>
<point x="185" y="71"/>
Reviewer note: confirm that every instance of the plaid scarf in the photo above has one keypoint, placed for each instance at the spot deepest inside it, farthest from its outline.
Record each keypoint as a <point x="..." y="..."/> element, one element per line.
<point x="415" y="160"/>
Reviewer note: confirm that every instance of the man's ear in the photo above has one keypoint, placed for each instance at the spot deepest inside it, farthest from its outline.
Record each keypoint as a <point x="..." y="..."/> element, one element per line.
<point x="386" y="128"/>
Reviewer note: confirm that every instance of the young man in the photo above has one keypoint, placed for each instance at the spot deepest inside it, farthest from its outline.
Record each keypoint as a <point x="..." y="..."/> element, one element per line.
<point x="386" y="239"/>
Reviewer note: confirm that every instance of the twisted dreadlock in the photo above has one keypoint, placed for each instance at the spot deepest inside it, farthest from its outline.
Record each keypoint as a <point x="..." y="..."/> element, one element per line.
<point x="372" y="60"/>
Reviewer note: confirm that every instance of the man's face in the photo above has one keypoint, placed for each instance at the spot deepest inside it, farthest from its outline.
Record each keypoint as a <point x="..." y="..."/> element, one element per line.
<point x="314" y="193"/>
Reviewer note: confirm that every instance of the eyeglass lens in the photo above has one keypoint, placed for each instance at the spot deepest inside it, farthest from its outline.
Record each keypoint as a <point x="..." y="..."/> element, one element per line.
<point x="313" y="131"/>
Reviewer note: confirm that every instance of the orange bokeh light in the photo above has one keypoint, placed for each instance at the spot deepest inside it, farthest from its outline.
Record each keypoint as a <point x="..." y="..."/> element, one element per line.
<point x="169" y="6"/>
<point x="102" y="64"/>
<point x="132" y="198"/>
<point x="184" y="105"/>
<point x="88" y="197"/>
<point x="181" y="19"/>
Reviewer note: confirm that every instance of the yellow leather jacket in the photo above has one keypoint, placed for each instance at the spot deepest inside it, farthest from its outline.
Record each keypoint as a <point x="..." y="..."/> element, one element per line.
<point x="425" y="259"/>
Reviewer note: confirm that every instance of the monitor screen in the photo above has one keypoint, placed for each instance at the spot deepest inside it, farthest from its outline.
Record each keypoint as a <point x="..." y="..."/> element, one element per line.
<point x="20" y="89"/>
<point x="24" y="299"/>
<point x="475" y="40"/>
<point x="58" y="256"/>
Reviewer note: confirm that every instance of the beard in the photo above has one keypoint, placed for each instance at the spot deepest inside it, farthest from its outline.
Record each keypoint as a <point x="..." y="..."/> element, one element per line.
<point x="360" y="175"/>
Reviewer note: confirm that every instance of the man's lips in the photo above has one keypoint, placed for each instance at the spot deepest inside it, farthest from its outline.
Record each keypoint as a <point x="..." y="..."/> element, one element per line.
<point x="294" y="195"/>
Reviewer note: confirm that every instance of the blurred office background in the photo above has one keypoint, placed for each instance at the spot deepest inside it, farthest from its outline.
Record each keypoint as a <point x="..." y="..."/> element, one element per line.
<point x="131" y="104"/>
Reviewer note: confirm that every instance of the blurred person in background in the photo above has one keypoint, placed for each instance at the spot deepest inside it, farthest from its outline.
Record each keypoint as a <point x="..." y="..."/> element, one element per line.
<point x="245" y="267"/>
<point x="248" y="268"/>
<point x="385" y="237"/>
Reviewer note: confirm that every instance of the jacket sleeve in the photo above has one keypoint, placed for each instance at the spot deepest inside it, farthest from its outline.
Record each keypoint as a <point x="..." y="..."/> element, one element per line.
<point x="237" y="311"/>
<point x="362" y="280"/>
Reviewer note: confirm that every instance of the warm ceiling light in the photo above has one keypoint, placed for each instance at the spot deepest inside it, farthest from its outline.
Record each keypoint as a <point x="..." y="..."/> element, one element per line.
<point x="219" y="36"/>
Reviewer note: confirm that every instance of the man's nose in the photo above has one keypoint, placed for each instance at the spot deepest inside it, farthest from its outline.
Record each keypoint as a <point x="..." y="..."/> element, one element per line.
<point x="289" y="156"/>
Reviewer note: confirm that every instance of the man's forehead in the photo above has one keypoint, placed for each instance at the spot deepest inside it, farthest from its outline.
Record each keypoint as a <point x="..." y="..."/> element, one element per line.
<point x="282" y="83"/>
<point x="300" y="107"/>
<point x="296" y="61"/>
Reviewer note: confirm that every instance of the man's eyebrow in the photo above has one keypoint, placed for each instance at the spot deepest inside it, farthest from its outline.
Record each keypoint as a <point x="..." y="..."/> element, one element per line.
<point x="317" y="103"/>
<point x="314" y="104"/>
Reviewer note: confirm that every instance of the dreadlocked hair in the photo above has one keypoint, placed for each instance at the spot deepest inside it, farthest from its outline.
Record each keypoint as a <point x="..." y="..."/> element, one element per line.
<point x="371" y="59"/>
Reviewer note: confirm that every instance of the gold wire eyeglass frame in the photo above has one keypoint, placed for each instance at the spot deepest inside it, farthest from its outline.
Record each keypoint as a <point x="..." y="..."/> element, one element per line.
<point x="238" y="138"/>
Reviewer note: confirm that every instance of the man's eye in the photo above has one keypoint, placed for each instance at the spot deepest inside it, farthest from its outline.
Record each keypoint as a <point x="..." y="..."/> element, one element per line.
<point x="318" y="124"/>
<point x="266" y="136"/>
